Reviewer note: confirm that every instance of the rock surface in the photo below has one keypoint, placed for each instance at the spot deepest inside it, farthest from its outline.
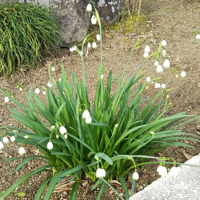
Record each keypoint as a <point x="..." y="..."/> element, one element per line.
<point x="183" y="187"/>
<point x="73" y="18"/>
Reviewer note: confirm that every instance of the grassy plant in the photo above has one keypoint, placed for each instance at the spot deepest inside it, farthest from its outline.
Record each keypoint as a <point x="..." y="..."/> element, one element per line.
<point x="26" y="31"/>
<point x="119" y="134"/>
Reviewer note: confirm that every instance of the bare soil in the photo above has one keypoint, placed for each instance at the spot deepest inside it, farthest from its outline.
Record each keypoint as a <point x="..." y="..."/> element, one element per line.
<point x="176" y="21"/>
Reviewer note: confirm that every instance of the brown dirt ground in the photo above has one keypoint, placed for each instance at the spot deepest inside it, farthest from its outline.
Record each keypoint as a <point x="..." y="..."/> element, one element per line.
<point x="178" y="23"/>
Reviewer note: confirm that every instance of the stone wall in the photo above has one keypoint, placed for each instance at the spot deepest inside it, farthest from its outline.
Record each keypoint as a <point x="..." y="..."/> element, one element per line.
<point x="73" y="18"/>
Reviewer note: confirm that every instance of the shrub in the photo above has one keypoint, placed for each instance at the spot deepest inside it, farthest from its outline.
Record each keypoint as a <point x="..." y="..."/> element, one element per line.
<point x="118" y="134"/>
<point x="26" y="31"/>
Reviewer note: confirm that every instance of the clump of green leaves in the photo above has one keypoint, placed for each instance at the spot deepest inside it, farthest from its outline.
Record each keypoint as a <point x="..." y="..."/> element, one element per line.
<point x="26" y="32"/>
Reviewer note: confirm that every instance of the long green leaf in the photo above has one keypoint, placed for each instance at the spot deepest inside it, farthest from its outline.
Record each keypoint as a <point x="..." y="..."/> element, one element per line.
<point x="105" y="157"/>
<point x="124" y="187"/>
<point x="21" y="180"/>
<point x="73" y="170"/>
<point x="74" y="190"/>
<point x="42" y="187"/>
<point x="24" y="162"/>
<point x="52" y="185"/>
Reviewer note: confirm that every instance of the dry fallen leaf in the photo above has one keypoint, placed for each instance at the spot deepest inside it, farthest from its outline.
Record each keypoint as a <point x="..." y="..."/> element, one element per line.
<point x="149" y="34"/>
<point x="187" y="155"/>
<point x="115" y="182"/>
<point x="108" y="36"/>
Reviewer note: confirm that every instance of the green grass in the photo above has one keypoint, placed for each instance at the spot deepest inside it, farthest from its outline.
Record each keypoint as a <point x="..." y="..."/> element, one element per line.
<point x="26" y="32"/>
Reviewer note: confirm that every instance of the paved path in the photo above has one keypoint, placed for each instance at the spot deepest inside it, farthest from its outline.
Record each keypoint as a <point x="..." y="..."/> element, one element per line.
<point x="186" y="186"/>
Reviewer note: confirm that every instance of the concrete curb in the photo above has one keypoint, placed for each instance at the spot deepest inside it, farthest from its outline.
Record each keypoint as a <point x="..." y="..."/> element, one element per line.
<point x="186" y="186"/>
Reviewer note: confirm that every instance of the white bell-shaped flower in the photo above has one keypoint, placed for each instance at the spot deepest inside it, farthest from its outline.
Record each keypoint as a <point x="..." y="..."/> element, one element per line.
<point x="135" y="176"/>
<point x="159" y="69"/>
<point x="148" y="79"/>
<point x="164" y="53"/>
<point x="164" y="43"/>
<point x="53" y="69"/>
<point x="163" y="86"/>
<point x="156" y="63"/>
<point x="89" y="45"/>
<point x="157" y="85"/>
<point x="198" y="36"/>
<point x="6" y="99"/>
<point x="21" y="150"/>
<point x="100" y="173"/>
<point x="49" y="84"/>
<point x="62" y="130"/>
<point x="147" y="49"/>
<point x="173" y="171"/>
<point x="166" y="63"/>
<point x="5" y="140"/>
<point x="65" y="136"/>
<point x="98" y="37"/>
<point x="37" y="91"/>
<point x="49" y="145"/>
<point x="93" y="20"/>
<point x="162" y="170"/>
<point x="88" y="120"/>
<point x="94" y="45"/>
<point x="146" y="55"/>
<point x="89" y="8"/>
<point x="183" y="74"/>
<point x="85" y="114"/>
<point x="12" y="138"/>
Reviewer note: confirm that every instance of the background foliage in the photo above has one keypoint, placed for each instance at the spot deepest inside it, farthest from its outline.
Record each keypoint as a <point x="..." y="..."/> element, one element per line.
<point x="26" y="32"/>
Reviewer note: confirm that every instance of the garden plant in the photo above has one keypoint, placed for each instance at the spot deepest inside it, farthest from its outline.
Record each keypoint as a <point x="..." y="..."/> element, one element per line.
<point x="27" y="31"/>
<point x="108" y="139"/>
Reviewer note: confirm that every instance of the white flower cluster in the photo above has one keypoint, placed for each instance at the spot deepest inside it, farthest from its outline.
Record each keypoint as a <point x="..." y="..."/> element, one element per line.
<point x="163" y="171"/>
<point x="87" y="117"/>
<point x="158" y="85"/>
<point x="5" y="140"/>
<point x="74" y="48"/>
